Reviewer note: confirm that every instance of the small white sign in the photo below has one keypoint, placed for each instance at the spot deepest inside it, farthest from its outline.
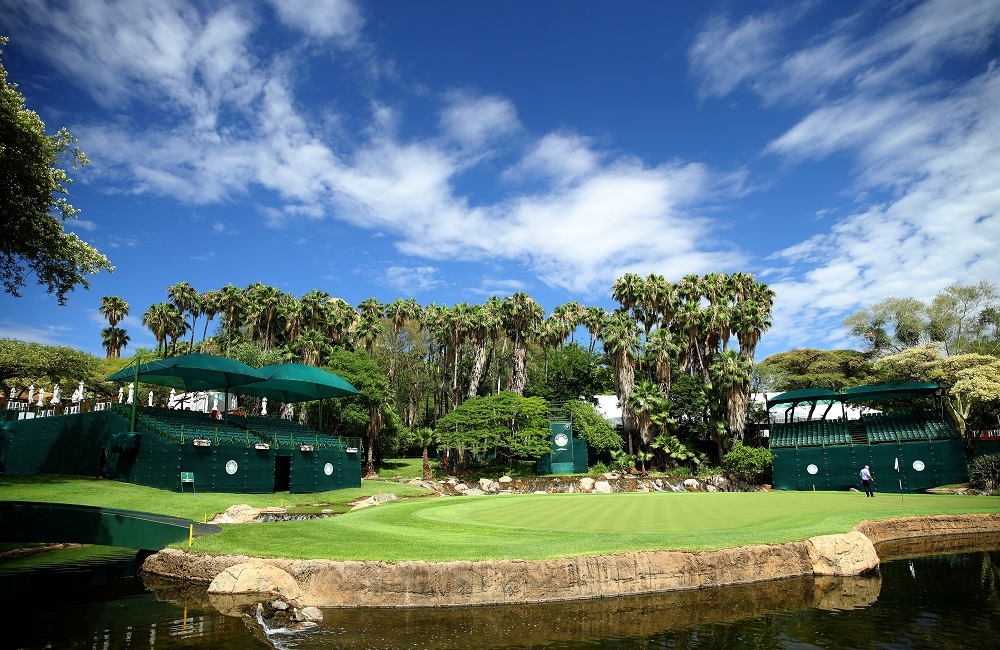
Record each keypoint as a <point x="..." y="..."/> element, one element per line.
<point x="231" y="467"/>
<point x="812" y="469"/>
<point x="919" y="465"/>
<point x="328" y="469"/>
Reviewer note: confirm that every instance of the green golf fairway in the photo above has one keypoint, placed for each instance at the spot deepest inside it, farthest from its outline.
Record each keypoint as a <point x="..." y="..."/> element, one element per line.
<point x="507" y="526"/>
<point x="552" y="526"/>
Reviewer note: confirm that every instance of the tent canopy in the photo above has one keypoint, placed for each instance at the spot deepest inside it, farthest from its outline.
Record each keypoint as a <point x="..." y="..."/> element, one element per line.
<point x="856" y="395"/>
<point x="893" y="390"/>
<point x="804" y="395"/>
<point x="294" y="382"/>
<point x="286" y="382"/>
<point x="191" y="372"/>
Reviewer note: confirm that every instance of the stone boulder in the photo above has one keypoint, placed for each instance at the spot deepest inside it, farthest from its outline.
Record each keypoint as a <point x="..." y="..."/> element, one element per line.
<point x="505" y="480"/>
<point x="842" y="555"/>
<point x="603" y="487"/>
<point x="489" y="486"/>
<point x="692" y="485"/>
<point x="255" y="577"/>
<point x="373" y="500"/>
<point x="238" y="514"/>
<point x="313" y="614"/>
<point x="587" y="484"/>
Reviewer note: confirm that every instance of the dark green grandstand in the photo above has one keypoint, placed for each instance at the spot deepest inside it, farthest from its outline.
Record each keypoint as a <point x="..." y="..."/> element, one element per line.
<point x="238" y="454"/>
<point x="907" y="449"/>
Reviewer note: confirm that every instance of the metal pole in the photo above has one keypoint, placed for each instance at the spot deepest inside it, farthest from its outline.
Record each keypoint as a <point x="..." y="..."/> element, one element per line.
<point x="135" y="390"/>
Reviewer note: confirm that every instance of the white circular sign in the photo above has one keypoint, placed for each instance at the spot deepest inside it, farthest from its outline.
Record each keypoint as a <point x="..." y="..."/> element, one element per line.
<point x="919" y="465"/>
<point x="562" y="439"/>
<point x="328" y="469"/>
<point x="812" y="469"/>
<point x="231" y="467"/>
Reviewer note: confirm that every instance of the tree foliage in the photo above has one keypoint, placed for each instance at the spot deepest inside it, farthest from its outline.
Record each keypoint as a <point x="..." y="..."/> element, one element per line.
<point x="44" y="365"/>
<point x="506" y="425"/>
<point x="810" y="368"/>
<point x="970" y="382"/>
<point x="33" y="190"/>
<point x="589" y="424"/>
<point x="962" y="318"/>
<point x="751" y="464"/>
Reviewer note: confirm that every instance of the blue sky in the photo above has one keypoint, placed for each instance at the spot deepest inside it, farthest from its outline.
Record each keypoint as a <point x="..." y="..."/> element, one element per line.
<point x="448" y="151"/>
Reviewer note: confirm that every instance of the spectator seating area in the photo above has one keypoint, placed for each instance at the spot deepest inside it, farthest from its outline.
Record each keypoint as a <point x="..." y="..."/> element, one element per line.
<point x="894" y="427"/>
<point x="810" y="433"/>
<point x="907" y="427"/>
<point x="184" y="426"/>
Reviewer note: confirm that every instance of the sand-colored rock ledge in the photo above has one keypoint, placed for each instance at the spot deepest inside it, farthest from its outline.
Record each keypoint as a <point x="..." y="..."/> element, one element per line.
<point x="326" y="583"/>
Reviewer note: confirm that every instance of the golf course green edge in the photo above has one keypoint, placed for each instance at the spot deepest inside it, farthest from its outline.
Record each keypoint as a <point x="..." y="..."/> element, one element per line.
<point x="333" y="583"/>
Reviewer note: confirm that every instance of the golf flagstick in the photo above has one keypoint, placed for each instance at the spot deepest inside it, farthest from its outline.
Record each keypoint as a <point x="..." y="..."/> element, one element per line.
<point x="900" y="477"/>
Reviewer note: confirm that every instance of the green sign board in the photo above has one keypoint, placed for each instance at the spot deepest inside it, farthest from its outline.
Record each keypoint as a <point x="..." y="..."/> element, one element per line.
<point x="187" y="477"/>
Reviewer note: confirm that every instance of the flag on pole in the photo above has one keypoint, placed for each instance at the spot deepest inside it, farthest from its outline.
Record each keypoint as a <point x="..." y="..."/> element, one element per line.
<point x="900" y="477"/>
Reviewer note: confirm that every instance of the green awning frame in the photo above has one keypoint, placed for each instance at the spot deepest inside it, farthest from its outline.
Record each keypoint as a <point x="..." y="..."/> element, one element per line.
<point x="856" y="395"/>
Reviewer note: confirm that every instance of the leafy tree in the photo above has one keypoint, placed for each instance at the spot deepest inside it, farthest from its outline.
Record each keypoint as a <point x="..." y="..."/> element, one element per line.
<point x="674" y="451"/>
<point x="572" y="373"/>
<point x="508" y="425"/>
<point x="960" y="317"/>
<point x="810" y="368"/>
<point x="368" y="414"/>
<point x="748" y="463"/>
<point x="25" y="363"/>
<point x="33" y="202"/>
<point x="971" y="384"/>
<point x="589" y="424"/>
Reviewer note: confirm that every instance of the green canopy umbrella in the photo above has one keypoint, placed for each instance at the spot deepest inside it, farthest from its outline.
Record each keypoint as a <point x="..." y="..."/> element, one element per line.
<point x="294" y="382"/>
<point x="189" y="372"/>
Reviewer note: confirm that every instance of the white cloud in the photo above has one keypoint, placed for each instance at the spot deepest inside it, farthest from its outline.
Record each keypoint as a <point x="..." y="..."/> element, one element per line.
<point x="411" y="279"/>
<point x="723" y="55"/>
<point x="473" y="120"/>
<point x="339" y="20"/>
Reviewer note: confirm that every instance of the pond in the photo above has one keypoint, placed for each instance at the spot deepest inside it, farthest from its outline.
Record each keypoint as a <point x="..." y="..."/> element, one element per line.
<point x="929" y="597"/>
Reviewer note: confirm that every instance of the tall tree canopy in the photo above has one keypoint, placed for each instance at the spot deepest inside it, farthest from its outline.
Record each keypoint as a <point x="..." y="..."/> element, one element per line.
<point x="33" y="189"/>
<point x="962" y="317"/>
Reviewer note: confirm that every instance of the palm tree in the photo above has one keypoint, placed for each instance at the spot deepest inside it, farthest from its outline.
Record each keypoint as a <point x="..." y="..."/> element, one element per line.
<point x="209" y="308"/>
<point x="113" y="340"/>
<point x="115" y="309"/>
<point x="183" y="296"/>
<point x="314" y="309"/>
<point x="311" y="346"/>
<point x="424" y="438"/>
<point x="158" y="319"/>
<point x="645" y="401"/>
<point x="661" y="344"/>
<point x="620" y="336"/>
<point x="368" y="330"/>
<point x="232" y="303"/>
<point x="731" y="378"/>
<point x="593" y="320"/>
<point x="522" y="316"/>
<point x="481" y="324"/>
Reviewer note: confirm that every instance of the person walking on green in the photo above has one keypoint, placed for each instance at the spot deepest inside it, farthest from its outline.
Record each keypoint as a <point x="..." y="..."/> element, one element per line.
<point x="867" y="480"/>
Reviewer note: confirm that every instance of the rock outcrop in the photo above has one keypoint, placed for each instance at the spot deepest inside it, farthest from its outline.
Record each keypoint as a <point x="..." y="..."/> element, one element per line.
<point x="326" y="583"/>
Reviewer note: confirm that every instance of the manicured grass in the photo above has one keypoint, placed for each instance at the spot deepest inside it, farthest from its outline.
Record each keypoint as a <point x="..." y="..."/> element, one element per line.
<point x="112" y="494"/>
<point x="509" y="526"/>
<point x="551" y="526"/>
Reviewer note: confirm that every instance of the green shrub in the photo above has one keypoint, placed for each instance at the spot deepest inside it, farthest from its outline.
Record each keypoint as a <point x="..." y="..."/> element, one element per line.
<point x="751" y="464"/>
<point x="599" y="468"/>
<point x="984" y="472"/>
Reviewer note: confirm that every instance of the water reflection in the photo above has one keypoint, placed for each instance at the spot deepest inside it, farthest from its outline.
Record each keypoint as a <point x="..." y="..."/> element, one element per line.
<point x="945" y="601"/>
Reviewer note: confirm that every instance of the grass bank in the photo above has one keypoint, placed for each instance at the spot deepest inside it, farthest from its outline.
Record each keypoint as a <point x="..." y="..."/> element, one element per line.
<point x="530" y="527"/>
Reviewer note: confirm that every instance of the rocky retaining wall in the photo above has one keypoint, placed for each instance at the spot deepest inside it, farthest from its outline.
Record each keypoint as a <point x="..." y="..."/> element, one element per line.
<point x="326" y="583"/>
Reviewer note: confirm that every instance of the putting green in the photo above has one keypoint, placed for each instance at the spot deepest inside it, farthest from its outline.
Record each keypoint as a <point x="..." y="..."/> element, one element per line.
<point x="551" y="526"/>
